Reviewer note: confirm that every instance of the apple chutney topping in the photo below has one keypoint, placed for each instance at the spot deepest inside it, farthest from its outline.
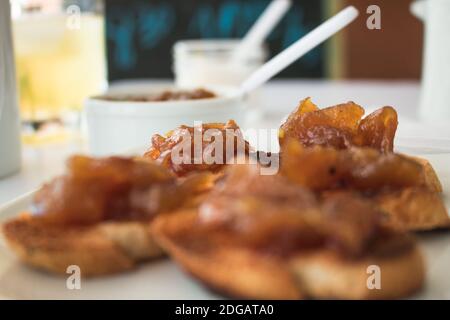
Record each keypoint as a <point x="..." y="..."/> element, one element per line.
<point x="194" y="154"/>
<point x="167" y="95"/>
<point x="94" y="190"/>
<point x="288" y="218"/>
<point x="363" y="169"/>
<point x="340" y="126"/>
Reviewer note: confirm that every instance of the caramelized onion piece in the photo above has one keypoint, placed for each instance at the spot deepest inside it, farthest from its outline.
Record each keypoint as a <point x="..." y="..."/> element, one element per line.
<point x="340" y="126"/>
<point x="272" y="214"/>
<point x="365" y="169"/>
<point x="377" y="130"/>
<point x="264" y="212"/>
<point x="94" y="190"/>
<point x="351" y="221"/>
<point x="334" y="126"/>
<point x="211" y="138"/>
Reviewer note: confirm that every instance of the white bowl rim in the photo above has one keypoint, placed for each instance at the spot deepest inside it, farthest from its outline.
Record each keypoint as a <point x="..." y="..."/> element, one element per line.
<point x="232" y="100"/>
<point x="232" y="95"/>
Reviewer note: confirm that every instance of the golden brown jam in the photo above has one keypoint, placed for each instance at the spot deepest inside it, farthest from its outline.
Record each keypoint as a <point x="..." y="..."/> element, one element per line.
<point x="365" y="169"/>
<point x="340" y="126"/>
<point x="194" y="146"/>
<point x="94" y="190"/>
<point x="271" y="214"/>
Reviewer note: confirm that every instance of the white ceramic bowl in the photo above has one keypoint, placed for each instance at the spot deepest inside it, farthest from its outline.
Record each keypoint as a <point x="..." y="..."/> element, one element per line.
<point x="208" y="62"/>
<point x="116" y="127"/>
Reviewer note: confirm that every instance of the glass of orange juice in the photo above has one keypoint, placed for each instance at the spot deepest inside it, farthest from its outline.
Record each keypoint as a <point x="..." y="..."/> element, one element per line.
<point x="59" y="51"/>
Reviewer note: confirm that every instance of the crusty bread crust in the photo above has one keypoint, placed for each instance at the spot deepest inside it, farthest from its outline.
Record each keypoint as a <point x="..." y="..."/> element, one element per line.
<point x="431" y="178"/>
<point x="238" y="272"/>
<point x="246" y="273"/>
<point x="101" y="249"/>
<point x="414" y="209"/>
<point x="324" y="274"/>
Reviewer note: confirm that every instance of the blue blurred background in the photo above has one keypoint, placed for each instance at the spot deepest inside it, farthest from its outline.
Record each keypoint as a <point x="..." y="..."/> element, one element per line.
<point x="141" y="33"/>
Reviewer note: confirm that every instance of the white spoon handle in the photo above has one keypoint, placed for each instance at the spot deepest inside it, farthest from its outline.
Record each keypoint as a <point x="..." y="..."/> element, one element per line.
<point x="262" y="27"/>
<point x="299" y="48"/>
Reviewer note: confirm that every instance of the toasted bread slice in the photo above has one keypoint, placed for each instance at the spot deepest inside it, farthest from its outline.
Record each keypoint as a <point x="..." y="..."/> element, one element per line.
<point x="431" y="178"/>
<point x="101" y="249"/>
<point x="324" y="274"/>
<point x="414" y="209"/>
<point x="245" y="273"/>
<point x="236" y="272"/>
<point x="417" y="208"/>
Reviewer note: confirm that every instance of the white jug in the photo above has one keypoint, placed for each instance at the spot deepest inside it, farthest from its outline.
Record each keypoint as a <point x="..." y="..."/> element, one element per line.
<point x="435" y="95"/>
<point x="9" y="113"/>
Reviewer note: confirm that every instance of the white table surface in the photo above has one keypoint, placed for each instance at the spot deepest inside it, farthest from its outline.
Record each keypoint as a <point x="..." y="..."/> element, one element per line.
<point x="277" y="99"/>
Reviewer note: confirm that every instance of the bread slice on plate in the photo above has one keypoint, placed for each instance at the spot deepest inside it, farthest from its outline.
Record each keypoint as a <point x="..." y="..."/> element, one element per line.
<point x="104" y="248"/>
<point x="324" y="274"/>
<point x="406" y="188"/>
<point x="414" y="209"/>
<point x="286" y="242"/>
<point x="235" y="272"/>
<point x="417" y="208"/>
<point x="98" y="215"/>
<point x="241" y="272"/>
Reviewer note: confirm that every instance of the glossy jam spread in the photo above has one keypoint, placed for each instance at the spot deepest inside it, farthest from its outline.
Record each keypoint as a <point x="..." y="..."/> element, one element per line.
<point x="167" y="95"/>
<point x="363" y="169"/>
<point x="270" y="213"/>
<point x="94" y="190"/>
<point x="196" y="147"/>
<point x="341" y="126"/>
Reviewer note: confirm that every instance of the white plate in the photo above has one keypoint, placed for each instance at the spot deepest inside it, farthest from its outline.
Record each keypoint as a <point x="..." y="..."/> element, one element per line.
<point x="164" y="280"/>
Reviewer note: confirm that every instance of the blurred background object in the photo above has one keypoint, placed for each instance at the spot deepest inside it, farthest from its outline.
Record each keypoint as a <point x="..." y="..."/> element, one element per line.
<point x="61" y="53"/>
<point x="435" y="97"/>
<point x="393" y="52"/>
<point x="9" y="115"/>
<point x="60" y="65"/>
<point x="141" y="33"/>
<point x="209" y="62"/>
<point x="60" y="62"/>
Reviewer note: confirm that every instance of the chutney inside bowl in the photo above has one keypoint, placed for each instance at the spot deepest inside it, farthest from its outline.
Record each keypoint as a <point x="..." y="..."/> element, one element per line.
<point x="165" y="95"/>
